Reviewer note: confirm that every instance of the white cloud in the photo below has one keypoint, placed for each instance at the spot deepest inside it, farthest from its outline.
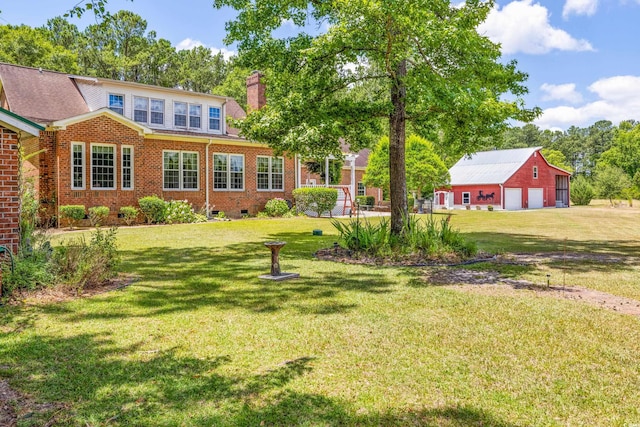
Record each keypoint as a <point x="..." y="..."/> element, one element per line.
<point x="565" y="92"/>
<point x="618" y="99"/>
<point x="188" y="44"/>
<point x="579" y="7"/>
<point x="522" y="26"/>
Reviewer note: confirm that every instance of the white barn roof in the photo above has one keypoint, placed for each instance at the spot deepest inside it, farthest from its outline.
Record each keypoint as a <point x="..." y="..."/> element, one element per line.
<point x="489" y="167"/>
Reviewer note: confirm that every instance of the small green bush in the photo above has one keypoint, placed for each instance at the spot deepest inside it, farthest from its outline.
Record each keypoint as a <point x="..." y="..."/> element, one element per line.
<point x="154" y="209"/>
<point x="30" y="272"/>
<point x="276" y="207"/>
<point x="315" y="199"/>
<point x="80" y="264"/>
<point x="582" y="192"/>
<point x="181" y="212"/>
<point x="129" y="214"/>
<point x="72" y="214"/>
<point x="98" y="215"/>
<point x="366" y="200"/>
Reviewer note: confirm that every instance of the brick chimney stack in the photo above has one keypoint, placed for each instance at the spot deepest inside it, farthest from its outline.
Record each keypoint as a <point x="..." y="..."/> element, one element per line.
<point x="256" y="98"/>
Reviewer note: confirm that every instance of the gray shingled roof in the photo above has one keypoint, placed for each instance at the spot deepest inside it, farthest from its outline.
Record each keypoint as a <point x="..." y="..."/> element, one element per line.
<point x="489" y="167"/>
<point x="39" y="95"/>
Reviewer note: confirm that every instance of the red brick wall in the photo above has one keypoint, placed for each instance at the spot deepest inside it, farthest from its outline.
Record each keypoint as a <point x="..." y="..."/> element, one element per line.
<point x="9" y="190"/>
<point x="256" y="97"/>
<point x="148" y="173"/>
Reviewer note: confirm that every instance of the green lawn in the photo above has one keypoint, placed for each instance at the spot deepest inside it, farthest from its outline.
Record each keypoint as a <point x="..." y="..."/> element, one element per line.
<point x="199" y="340"/>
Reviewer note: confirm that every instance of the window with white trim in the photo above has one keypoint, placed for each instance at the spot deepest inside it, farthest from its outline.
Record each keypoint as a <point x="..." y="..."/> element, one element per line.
<point x="140" y="109"/>
<point x="77" y="166"/>
<point x="228" y="171"/>
<point x="180" y="170"/>
<point x="214" y="118"/>
<point x="103" y="167"/>
<point x="535" y="172"/>
<point x="157" y="112"/>
<point x="127" y="167"/>
<point x="270" y="172"/>
<point x="180" y="114"/>
<point x="362" y="190"/>
<point x="466" y="198"/>
<point x="116" y="103"/>
<point x="195" y="116"/>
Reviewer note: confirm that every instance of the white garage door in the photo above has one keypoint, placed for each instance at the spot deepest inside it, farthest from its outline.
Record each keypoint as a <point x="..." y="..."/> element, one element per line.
<point x="512" y="199"/>
<point x="536" y="201"/>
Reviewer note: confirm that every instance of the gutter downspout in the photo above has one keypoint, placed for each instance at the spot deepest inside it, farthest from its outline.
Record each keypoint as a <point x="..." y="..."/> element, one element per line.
<point x="206" y="172"/>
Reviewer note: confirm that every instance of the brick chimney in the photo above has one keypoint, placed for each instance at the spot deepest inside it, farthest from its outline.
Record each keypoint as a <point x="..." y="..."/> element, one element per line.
<point x="256" y="98"/>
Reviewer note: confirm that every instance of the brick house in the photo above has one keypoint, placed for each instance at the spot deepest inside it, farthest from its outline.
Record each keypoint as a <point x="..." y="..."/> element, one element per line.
<point x="507" y="179"/>
<point x="108" y="142"/>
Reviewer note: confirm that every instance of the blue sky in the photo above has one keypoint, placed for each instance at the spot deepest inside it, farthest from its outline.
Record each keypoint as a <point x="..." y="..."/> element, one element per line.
<point x="582" y="56"/>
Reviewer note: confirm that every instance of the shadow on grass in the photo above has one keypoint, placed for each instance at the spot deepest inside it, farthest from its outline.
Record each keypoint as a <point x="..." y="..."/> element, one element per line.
<point x="93" y="381"/>
<point x="527" y="243"/>
<point x="227" y="278"/>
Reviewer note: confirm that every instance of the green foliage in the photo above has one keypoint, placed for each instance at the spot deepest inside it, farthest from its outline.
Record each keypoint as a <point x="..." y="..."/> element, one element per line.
<point x="426" y="238"/>
<point x="98" y="215"/>
<point x="29" y="207"/>
<point x="32" y="270"/>
<point x="180" y="211"/>
<point x="317" y="199"/>
<point x="582" y="191"/>
<point x="624" y="152"/>
<point x="366" y="200"/>
<point x="425" y="169"/>
<point x="221" y="215"/>
<point x="335" y="169"/>
<point x="610" y="181"/>
<point x="80" y="264"/>
<point x="72" y="214"/>
<point x="424" y="58"/>
<point x="129" y="214"/>
<point x="276" y="207"/>
<point x="154" y="209"/>
<point x="556" y="158"/>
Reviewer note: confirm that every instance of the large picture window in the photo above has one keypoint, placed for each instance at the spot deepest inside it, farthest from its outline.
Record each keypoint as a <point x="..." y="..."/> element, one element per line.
<point x="103" y="167"/>
<point x="77" y="166"/>
<point x="228" y="171"/>
<point x="270" y="173"/>
<point x="127" y="167"/>
<point x="180" y="170"/>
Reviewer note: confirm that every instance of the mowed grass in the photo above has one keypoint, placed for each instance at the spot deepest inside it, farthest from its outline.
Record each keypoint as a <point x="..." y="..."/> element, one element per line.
<point x="199" y="340"/>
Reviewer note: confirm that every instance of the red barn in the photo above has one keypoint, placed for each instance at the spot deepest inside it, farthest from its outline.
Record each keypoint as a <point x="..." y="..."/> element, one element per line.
<point x="507" y="179"/>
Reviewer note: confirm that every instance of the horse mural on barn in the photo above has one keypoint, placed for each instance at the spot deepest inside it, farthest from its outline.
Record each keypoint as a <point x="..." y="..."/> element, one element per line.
<point x="485" y="197"/>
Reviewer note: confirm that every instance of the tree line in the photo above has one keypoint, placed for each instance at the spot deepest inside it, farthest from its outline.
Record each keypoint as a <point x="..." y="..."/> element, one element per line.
<point x="120" y="47"/>
<point x="604" y="158"/>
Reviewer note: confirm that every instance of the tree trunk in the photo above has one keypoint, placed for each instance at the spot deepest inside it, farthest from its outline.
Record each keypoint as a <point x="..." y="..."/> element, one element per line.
<point x="397" y="137"/>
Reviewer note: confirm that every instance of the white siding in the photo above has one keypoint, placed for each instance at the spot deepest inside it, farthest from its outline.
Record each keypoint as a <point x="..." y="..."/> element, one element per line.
<point x="96" y="94"/>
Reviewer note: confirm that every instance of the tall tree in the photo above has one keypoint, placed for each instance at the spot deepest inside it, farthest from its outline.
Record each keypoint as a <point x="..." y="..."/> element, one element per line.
<point x="625" y="149"/>
<point x="31" y="47"/>
<point x="425" y="60"/>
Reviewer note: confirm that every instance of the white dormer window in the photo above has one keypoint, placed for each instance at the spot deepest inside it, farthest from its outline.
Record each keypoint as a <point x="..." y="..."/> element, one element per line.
<point x="195" y="116"/>
<point x="180" y="114"/>
<point x="140" y="109"/>
<point x="214" y="118"/>
<point x="116" y="103"/>
<point x="535" y="172"/>
<point x="157" y="112"/>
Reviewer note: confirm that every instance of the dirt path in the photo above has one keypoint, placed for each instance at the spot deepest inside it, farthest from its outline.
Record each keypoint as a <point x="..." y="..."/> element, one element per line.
<point x="492" y="282"/>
